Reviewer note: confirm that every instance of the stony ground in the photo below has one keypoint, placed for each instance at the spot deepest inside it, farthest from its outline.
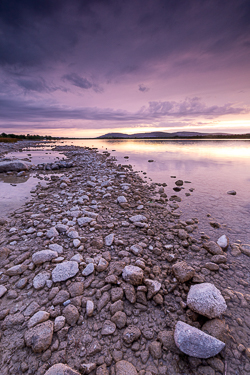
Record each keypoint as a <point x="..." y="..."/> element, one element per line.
<point x="73" y="304"/>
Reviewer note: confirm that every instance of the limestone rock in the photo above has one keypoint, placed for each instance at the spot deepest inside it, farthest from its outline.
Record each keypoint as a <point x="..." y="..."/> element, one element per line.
<point x="125" y="367"/>
<point x="61" y="369"/>
<point x="16" y="270"/>
<point x="183" y="272"/>
<point x="223" y="242"/>
<point x="3" y="290"/>
<point x="39" y="280"/>
<point x="194" y="342"/>
<point x="56" y="247"/>
<point x="90" y="308"/>
<point x="133" y="275"/>
<point x="136" y="249"/>
<point x="137" y="218"/>
<point x="109" y="239"/>
<point x="39" y="337"/>
<point x="206" y="299"/>
<point x="52" y="232"/>
<point x="102" y="265"/>
<point x="121" y="199"/>
<point x="108" y="328"/>
<point x="88" y="269"/>
<point x="213" y="248"/>
<point x="59" y="323"/>
<point x="14" y="165"/>
<point x="39" y="317"/>
<point x="43" y="256"/>
<point x="84" y="221"/>
<point x="153" y="287"/>
<point x="64" y="271"/>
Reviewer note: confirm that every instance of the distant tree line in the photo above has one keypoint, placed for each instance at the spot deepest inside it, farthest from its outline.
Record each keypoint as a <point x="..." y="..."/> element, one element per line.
<point x="28" y="136"/>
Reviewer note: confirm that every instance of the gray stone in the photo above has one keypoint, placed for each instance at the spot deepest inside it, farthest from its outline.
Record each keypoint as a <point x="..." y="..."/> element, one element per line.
<point x="59" y="323"/>
<point x="84" y="221"/>
<point x="39" y="317"/>
<point x="108" y="328"/>
<point x="125" y="368"/>
<point x="137" y="218"/>
<point x="16" y="270"/>
<point x="14" y="165"/>
<point x="31" y="309"/>
<point x="109" y="239"/>
<point x="223" y="242"/>
<point x="39" y="280"/>
<point x="153" y="287"/>
<point x="61" y="369"/>
<point x="3" y="290"/>
<point x="132" y="274"/>
<point x="88" y="269"/>
<point x="56" y="247"/>
<point x="61" y="228"/>
<point x="39" y="337"/>
<point x="102" y="265"/>
<point x="194" y="342"/>
<point x="64" y="271"/>
<point x="43" y="256"/>
<point x="52" y="232"/>
<point x="90" y="308"/>
<point x="206" y="299"/>
<point x="77" y="258"/>
<point x="121" y="199"/>
<point x="136" y="249"/>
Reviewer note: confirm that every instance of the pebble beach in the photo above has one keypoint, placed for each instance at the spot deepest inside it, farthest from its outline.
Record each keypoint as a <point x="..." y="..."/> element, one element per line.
<point x="99" y="274"/>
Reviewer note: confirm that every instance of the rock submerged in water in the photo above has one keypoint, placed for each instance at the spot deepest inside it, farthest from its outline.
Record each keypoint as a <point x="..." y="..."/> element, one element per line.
<point x="194" y="342"/>
<point x="206" y="299"/>
<point x="14" y="165"/>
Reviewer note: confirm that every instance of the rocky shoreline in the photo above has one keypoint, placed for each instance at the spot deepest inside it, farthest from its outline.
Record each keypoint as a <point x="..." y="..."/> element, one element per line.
<point x="96" y="273"/>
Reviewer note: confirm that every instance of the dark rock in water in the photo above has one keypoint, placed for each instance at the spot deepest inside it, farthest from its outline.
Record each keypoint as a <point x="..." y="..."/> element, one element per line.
<point x="177" y="189"/>
<point x="14" y="165"/>
<point x="150" y="161"/>
<point x="179" y="183"/>
<point x="231" y="192"/>
<point x="196" y="343"/>
<point x="214" y="224"/>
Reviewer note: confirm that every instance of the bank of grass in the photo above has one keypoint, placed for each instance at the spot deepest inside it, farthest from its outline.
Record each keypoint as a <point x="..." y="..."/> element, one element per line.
<point x="8" y="140"/>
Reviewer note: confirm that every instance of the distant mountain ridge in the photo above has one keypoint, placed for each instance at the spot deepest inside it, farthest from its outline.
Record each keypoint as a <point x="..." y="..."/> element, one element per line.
<point x="183" y="134"/>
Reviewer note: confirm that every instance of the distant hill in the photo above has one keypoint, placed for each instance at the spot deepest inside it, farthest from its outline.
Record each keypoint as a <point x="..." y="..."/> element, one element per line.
<point x="183" y="134"/>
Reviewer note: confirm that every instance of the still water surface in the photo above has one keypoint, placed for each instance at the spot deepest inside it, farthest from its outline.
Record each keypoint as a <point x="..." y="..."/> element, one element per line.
<point x="212" y="167"/>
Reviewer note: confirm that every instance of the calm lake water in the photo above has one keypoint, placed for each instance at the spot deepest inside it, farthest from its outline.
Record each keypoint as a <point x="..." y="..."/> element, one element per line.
<point x="212" y="167"/>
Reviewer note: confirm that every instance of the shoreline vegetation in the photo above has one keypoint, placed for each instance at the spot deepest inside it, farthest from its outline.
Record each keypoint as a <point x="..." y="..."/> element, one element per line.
<point x="12" y="138"/>
<point x="100" y="275"/>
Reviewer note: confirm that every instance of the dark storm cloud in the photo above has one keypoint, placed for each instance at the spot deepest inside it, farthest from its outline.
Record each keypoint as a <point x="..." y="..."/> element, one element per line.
<point x="121" y="37"/>
<point x="13" y="110"/>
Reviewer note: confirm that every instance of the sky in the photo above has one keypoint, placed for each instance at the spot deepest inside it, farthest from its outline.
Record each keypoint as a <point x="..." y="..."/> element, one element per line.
<point x="83" y="68"/>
